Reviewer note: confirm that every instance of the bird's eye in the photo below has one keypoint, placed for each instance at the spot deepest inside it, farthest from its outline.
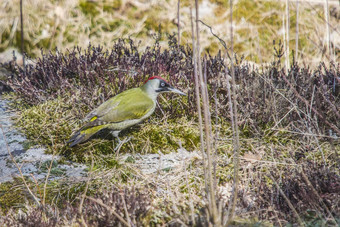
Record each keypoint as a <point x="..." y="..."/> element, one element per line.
<point x="162" y="84"/>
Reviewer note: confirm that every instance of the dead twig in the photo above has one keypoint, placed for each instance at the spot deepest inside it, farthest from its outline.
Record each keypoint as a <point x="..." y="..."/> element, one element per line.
<point x="308" y="105"/>
<point x="22" y="37"/>
<point x="198" y="99"/>
<point x="80" y="208"/>
<point x="301" y="223"/>
<point x="125" y="210"/>
<point x="178" y="23"/>
<point x="219" y="39"/>
<point x="48" y="172"/>
<point x="211" y="196"/>
<point x="236" y="138"/>
<point x="120" y="218"/>
<point x="305" y="178"/>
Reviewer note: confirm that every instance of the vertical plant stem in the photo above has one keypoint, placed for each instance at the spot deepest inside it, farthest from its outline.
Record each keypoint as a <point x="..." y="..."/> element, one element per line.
<point x="284" y="42"/>
<point x="328" y="35"/>
<point x="125" y="209"/>
<point x="36" y="184"/>
<point x="287" y="35"/>
<point x="227" y="220"/>
<point x="49" y="170"/>
<point x="216" y="114"/>
<point x="297" y="32"/>
<point x="310" y="185"/>
<point x="80" y="208"/>
<point x="212" y="200"/>
<point x="22" y="37"/>
<point x="209" y="123"/>
<point x="178" y="23"/>
<point x="110" y="209"/>
<point x="235" y="129"/>
<point x="198" y="99"/>
<point x="301" y="223"/>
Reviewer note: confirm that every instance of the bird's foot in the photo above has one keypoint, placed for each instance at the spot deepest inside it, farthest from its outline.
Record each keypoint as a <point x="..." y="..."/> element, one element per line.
<point x="122" y="142"/>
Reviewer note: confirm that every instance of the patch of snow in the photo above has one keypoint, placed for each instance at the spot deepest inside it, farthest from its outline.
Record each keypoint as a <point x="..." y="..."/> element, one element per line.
<point x="33" y="161"/>
<point x="151" y="163"/>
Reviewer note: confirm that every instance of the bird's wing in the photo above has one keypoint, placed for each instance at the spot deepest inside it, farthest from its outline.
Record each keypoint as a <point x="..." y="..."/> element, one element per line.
<point x="102" y="109"/>
<point x="129" y="105"/>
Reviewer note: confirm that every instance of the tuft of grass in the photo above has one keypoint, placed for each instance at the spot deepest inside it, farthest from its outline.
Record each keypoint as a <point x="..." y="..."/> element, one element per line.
<point x="165" y="136"/>
<point x="11" y="195"/>
<point x="47" y="124"/>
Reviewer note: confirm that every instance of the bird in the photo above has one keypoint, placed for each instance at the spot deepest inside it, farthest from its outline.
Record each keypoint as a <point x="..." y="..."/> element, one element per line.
<point x="123" y="110"/>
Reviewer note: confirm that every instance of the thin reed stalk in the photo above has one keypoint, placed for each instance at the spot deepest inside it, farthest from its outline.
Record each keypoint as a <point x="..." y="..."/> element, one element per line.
<point x="236" y="139"/>
<point x="111" y="210"/>
<point x="297" y="32"/>
<point x="328" y="34"/>
<point x="80" y="208"/>
<point x="198" y="99"/>
<point x="22" y="37"/>
<point x="301" y="223"/>
<point x="178" y="23"/>
<point x="49" y="169"/>
<point x="287" y="35"/>
<point x="212" y="200"/>
<point x="125" y="209"/>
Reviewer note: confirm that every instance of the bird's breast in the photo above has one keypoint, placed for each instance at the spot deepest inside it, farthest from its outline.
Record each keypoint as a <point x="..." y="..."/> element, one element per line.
<point x="128" y="123"/>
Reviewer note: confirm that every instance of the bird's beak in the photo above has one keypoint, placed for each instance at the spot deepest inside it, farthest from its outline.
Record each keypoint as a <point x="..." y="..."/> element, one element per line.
<point x="174" y="90"/>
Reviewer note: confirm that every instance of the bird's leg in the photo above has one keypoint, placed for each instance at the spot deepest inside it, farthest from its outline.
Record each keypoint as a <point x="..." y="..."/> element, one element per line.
<point x="115" y="134"/>
<point x="120" y="142"/>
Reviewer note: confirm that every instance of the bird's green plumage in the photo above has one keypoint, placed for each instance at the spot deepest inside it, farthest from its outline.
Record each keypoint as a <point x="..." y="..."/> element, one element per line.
<point x="119" y="112"/>
<point x="128" y="105"/>
<point x="123" y="110"/>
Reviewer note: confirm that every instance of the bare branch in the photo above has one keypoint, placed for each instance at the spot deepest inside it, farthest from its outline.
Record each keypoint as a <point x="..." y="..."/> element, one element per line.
<point x="221" y="40"/>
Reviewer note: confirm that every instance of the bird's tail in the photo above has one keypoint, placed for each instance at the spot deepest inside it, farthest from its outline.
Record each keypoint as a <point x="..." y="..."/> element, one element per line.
<point x="84" y="135"/>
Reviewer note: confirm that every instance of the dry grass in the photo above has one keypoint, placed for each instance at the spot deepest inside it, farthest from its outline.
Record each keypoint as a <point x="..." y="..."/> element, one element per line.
<point x="63" y="24"/>
<point x="167" y="196"/>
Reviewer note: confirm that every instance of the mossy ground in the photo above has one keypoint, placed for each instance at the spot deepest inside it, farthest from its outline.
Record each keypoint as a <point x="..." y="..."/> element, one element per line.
<point x="51" y="123"/>
<point x="11" y="195"/>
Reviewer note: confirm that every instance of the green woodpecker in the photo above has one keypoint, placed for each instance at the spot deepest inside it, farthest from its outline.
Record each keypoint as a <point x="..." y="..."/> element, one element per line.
<point x="123" y="110"/>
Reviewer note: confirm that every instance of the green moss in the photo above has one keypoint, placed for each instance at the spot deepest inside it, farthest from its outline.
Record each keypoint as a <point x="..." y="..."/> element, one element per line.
<point x="213" y="47"/>
<point x="130" y="159"/>
<point x="252" y="222"/>
<point x="17" y="43"/>
<point x="46" y="123"/>
<point x="109" y="6"/>
<point x="49" y="124"/>
<point x="277" y="137"/>
<point x="262" y="14"/>
<point x="220" y="11"/>
<point x="164" y="136"/>
<point x="89" y="7"/>
<point x="27" y="144"/>
<point x="10" y="195"/>
<point x="112" y="25"/>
